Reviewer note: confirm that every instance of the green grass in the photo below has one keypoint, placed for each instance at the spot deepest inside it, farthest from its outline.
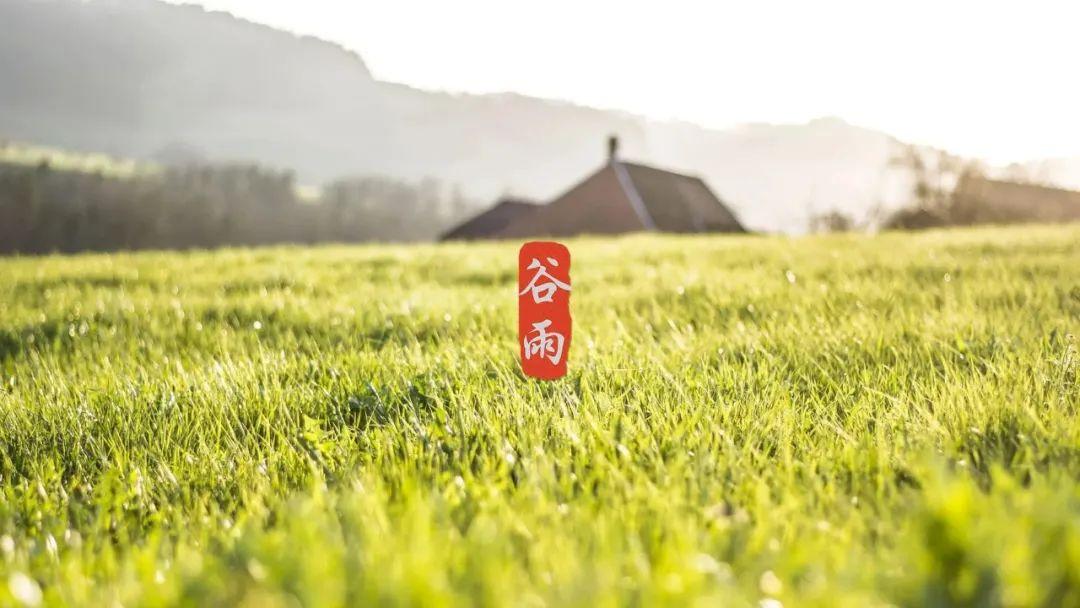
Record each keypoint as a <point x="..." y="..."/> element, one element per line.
<point x="819" y="421"/>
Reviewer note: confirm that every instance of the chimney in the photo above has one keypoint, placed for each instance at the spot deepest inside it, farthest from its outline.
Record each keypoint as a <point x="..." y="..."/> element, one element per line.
<point x="612" y="148"/>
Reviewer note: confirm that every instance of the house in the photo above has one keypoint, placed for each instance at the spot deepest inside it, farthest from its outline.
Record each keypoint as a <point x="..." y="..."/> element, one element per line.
<point x="492" y="220"/>
<point x="623" y="197"/>
<point x="979" y="200"/>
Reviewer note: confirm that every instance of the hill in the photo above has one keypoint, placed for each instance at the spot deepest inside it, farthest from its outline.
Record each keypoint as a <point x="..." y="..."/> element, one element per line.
<point x="843" y="420"/>
<point x="144" y="79"/>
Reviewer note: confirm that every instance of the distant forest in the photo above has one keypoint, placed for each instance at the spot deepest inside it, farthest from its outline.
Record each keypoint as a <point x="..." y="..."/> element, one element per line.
<point x="45" y="209"/>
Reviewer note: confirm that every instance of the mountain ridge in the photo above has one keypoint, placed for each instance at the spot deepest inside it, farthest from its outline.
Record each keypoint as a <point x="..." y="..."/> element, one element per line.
<point x="150" y="80"/>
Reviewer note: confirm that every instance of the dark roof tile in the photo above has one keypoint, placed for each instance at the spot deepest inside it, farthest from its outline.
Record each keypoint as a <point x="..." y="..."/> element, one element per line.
<point x="680" y="203"/>
<point x="491" y="221"/>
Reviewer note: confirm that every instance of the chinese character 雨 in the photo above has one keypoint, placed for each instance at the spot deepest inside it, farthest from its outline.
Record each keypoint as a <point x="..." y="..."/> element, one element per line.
<point x="543" y="292"/>
<point x="545" y="345"/>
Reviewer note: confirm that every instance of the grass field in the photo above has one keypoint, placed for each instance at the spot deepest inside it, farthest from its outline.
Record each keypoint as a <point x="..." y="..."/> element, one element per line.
<point x="747" y="420"/>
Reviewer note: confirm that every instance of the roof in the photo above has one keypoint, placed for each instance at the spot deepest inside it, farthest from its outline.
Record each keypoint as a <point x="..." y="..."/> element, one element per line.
<point x="491" y="221"/>
<point x="625" y="197"/>
<point x="981" y="200"/>
<point x="679" y="203"/>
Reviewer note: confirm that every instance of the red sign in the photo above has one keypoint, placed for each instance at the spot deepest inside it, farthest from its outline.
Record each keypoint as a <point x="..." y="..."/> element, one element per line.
<point x="544" y="309"/>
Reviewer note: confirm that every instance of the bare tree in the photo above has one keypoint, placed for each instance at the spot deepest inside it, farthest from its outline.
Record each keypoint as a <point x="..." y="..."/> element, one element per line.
<point x="935" y="175"/>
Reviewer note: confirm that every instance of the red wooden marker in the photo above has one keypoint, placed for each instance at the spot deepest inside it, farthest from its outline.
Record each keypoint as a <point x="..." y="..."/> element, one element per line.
<point x="544" y="309"/>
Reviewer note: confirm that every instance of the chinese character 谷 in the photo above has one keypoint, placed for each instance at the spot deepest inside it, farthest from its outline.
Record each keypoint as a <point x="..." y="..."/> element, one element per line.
<point x="545" y="345"/>
<point x="543" y="291"/>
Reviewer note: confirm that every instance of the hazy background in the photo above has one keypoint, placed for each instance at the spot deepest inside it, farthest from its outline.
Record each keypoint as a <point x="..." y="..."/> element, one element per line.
<point x="425" y="112"/>
<point x="986" y="79"/>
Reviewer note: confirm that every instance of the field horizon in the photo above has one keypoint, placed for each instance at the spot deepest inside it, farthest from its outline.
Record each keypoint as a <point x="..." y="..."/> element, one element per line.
<point x="754" y="420"/>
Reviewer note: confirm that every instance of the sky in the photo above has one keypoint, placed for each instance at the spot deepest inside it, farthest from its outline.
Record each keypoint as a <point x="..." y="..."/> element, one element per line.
<point x="994" y="80"/>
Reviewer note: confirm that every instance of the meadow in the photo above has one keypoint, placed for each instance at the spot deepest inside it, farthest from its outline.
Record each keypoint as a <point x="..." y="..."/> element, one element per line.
<point x="747" y="421"/>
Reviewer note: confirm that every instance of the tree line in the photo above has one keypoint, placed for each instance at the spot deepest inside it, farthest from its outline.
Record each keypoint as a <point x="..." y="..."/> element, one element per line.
<point x="949" y="190"/>
<point x="43" y="209"/>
